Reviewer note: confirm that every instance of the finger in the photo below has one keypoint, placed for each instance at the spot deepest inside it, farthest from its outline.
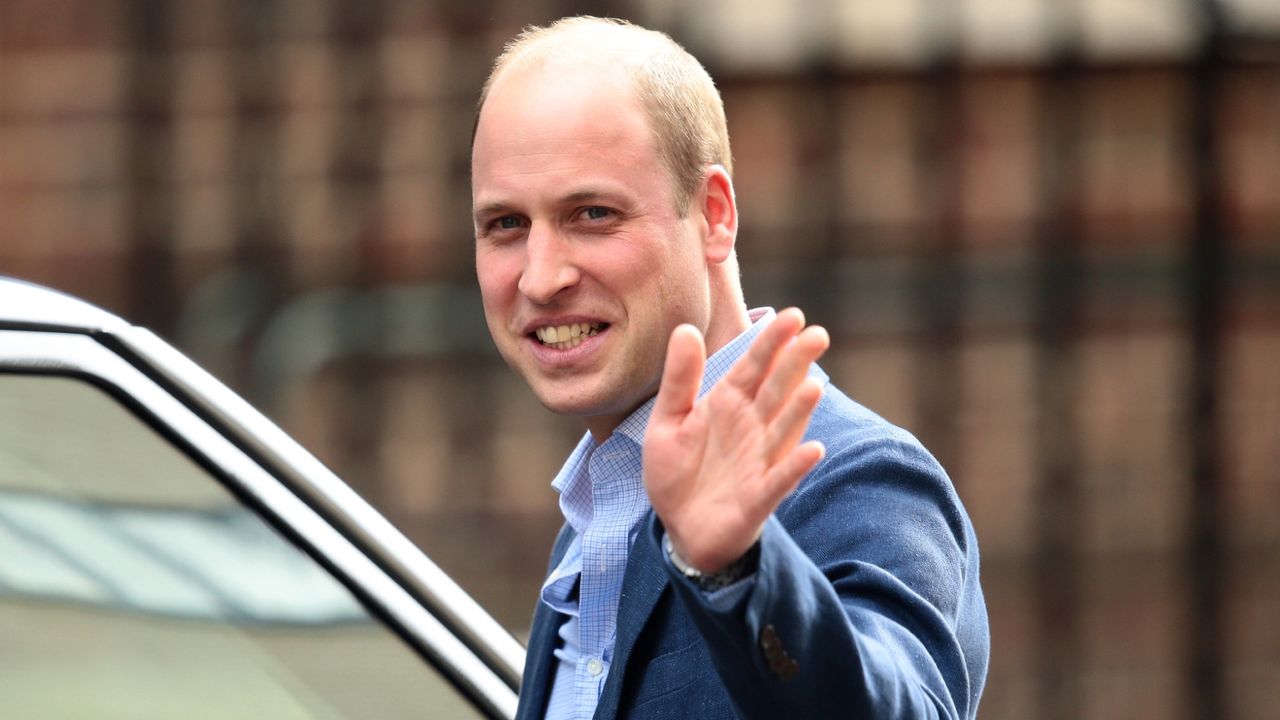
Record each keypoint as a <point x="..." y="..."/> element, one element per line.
<point x="788" y="428"/>
<point x="783" y="478"/>
<point x="751" y="368"/>
<point x="681" y="374"/>
<point x="792" y="366"/>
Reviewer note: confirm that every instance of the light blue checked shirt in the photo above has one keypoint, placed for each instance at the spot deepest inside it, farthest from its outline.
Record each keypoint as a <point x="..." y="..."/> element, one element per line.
<point x="602" y="497"/>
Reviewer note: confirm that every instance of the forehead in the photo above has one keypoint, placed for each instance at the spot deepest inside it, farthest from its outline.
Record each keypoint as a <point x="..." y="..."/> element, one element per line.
<point x="555" y="112"/>
<point x="559" y="79"/>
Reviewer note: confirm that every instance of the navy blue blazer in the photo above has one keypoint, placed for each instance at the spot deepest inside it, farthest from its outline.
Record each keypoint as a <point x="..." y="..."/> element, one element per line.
<point x="866" y="602"/>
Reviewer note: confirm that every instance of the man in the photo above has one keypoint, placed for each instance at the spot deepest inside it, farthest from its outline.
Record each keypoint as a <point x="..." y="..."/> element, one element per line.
<point x="741" y="537"/>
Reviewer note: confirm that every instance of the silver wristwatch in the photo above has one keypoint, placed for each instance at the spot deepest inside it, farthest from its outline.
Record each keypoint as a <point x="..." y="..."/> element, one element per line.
<point x="710" y="582"/>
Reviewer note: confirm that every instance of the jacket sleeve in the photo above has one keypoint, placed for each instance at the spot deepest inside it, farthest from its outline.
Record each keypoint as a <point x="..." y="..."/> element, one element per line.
<point x="866" y="601"/>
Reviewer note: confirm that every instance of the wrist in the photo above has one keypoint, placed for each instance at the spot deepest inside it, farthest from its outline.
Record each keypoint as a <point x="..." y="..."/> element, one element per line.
<point x="738" y="569"/>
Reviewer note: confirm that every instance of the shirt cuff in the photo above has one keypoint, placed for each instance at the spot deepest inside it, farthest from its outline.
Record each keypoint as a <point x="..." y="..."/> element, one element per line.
<point x="727" y="597"/>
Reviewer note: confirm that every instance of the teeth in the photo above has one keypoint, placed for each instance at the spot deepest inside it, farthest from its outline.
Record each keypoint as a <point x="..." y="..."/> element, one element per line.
<point x="563" y="337"/>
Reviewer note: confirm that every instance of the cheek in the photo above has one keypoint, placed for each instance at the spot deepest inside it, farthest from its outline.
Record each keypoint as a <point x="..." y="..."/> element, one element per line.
<point x="684" y="272"/>
<point x="498" y="275"/>
<point x="652" y="256"/>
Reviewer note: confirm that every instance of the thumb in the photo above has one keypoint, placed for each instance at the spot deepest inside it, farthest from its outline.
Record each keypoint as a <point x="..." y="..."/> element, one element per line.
<point x="682" y="373"/>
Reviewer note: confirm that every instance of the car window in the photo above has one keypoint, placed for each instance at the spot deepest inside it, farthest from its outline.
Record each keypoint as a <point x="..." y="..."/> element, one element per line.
<point x="134" y="585"/>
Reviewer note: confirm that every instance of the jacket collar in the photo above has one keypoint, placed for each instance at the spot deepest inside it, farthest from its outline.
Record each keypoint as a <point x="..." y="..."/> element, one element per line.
<point x="644" y="583"/>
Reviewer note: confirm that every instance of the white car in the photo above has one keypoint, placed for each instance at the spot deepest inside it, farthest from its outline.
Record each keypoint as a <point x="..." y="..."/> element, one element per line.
<point x="168" y="552"/>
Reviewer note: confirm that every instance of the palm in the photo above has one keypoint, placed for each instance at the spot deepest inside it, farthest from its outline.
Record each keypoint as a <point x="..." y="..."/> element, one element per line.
<point x="716" y="467"/>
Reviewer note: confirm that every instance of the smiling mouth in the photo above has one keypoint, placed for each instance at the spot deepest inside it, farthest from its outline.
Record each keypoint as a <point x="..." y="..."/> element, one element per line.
<point x="563" y="337"/>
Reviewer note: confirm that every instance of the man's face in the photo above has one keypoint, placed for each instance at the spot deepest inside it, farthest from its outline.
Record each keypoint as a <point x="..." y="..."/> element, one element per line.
<point x="584" y="263"/>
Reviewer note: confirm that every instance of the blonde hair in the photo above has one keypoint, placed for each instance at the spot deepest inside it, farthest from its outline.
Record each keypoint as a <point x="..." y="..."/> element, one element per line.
<point x="686" y="113"/>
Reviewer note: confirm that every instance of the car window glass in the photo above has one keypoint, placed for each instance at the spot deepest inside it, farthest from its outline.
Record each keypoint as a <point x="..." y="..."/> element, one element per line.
<point x="133" y="585"/>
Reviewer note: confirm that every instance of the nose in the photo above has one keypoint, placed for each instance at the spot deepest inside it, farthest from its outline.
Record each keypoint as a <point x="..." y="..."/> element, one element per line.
<point x="549" y="266"/>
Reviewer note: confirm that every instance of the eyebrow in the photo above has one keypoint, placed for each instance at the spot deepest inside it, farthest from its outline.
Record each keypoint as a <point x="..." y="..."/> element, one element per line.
<point x="586" y="194"/>
<point x="590" y="193"/>
<point x="488" y="209"/>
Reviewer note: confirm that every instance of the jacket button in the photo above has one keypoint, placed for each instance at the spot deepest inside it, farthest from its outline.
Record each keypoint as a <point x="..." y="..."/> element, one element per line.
<point x="779" y="662"/>
<point x="769" y="640"/>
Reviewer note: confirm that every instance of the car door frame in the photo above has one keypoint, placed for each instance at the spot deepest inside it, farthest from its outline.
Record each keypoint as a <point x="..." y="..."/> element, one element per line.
<point x="286" y="485"/>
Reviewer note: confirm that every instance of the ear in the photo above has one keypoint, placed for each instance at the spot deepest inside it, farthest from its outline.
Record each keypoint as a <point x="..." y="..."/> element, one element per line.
<point x="719" y="213"/>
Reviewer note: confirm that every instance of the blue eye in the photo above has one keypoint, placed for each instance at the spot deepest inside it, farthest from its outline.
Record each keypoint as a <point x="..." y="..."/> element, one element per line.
<point x="508" y="222"/>
<point x="596" y="213"/>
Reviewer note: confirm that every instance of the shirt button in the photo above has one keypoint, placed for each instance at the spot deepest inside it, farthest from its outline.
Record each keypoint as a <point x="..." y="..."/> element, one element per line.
<point x="595" y="667"/>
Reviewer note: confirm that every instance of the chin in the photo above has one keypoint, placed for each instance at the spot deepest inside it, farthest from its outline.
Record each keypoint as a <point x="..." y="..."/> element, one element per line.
<point x="559" y="400"/>
<point x="572" y="407"/>
<point x="581" y="405"/>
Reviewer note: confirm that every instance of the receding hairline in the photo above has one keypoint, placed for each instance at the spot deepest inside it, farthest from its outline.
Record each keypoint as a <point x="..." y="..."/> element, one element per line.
<point x="683" y="106"/>
<point x="607" y="42"/>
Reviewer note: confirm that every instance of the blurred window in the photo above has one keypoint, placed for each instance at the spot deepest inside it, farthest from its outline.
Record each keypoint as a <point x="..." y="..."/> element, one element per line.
<point x="134" y="585"/>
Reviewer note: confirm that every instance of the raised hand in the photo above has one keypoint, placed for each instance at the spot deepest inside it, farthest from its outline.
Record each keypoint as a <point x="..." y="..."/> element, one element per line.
<point x="715" y="468"/>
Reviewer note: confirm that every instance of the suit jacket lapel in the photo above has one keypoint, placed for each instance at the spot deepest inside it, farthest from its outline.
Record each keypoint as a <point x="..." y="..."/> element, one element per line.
<point x="642" y="585"/>
<point x="540" y="662"/>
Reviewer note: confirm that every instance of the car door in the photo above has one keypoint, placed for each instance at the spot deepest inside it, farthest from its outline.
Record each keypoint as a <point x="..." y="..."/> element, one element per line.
<point x="166" y="551"/>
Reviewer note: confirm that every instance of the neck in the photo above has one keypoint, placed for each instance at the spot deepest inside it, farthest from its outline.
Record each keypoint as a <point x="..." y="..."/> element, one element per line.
<point x="729" y="317"/>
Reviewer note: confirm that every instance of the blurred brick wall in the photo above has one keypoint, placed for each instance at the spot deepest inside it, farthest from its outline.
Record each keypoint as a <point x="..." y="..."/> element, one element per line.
<point x="1000" y="251"/>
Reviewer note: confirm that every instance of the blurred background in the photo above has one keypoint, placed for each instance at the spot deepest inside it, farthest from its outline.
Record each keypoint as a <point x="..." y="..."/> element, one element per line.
<point x="1044" y="234"/>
